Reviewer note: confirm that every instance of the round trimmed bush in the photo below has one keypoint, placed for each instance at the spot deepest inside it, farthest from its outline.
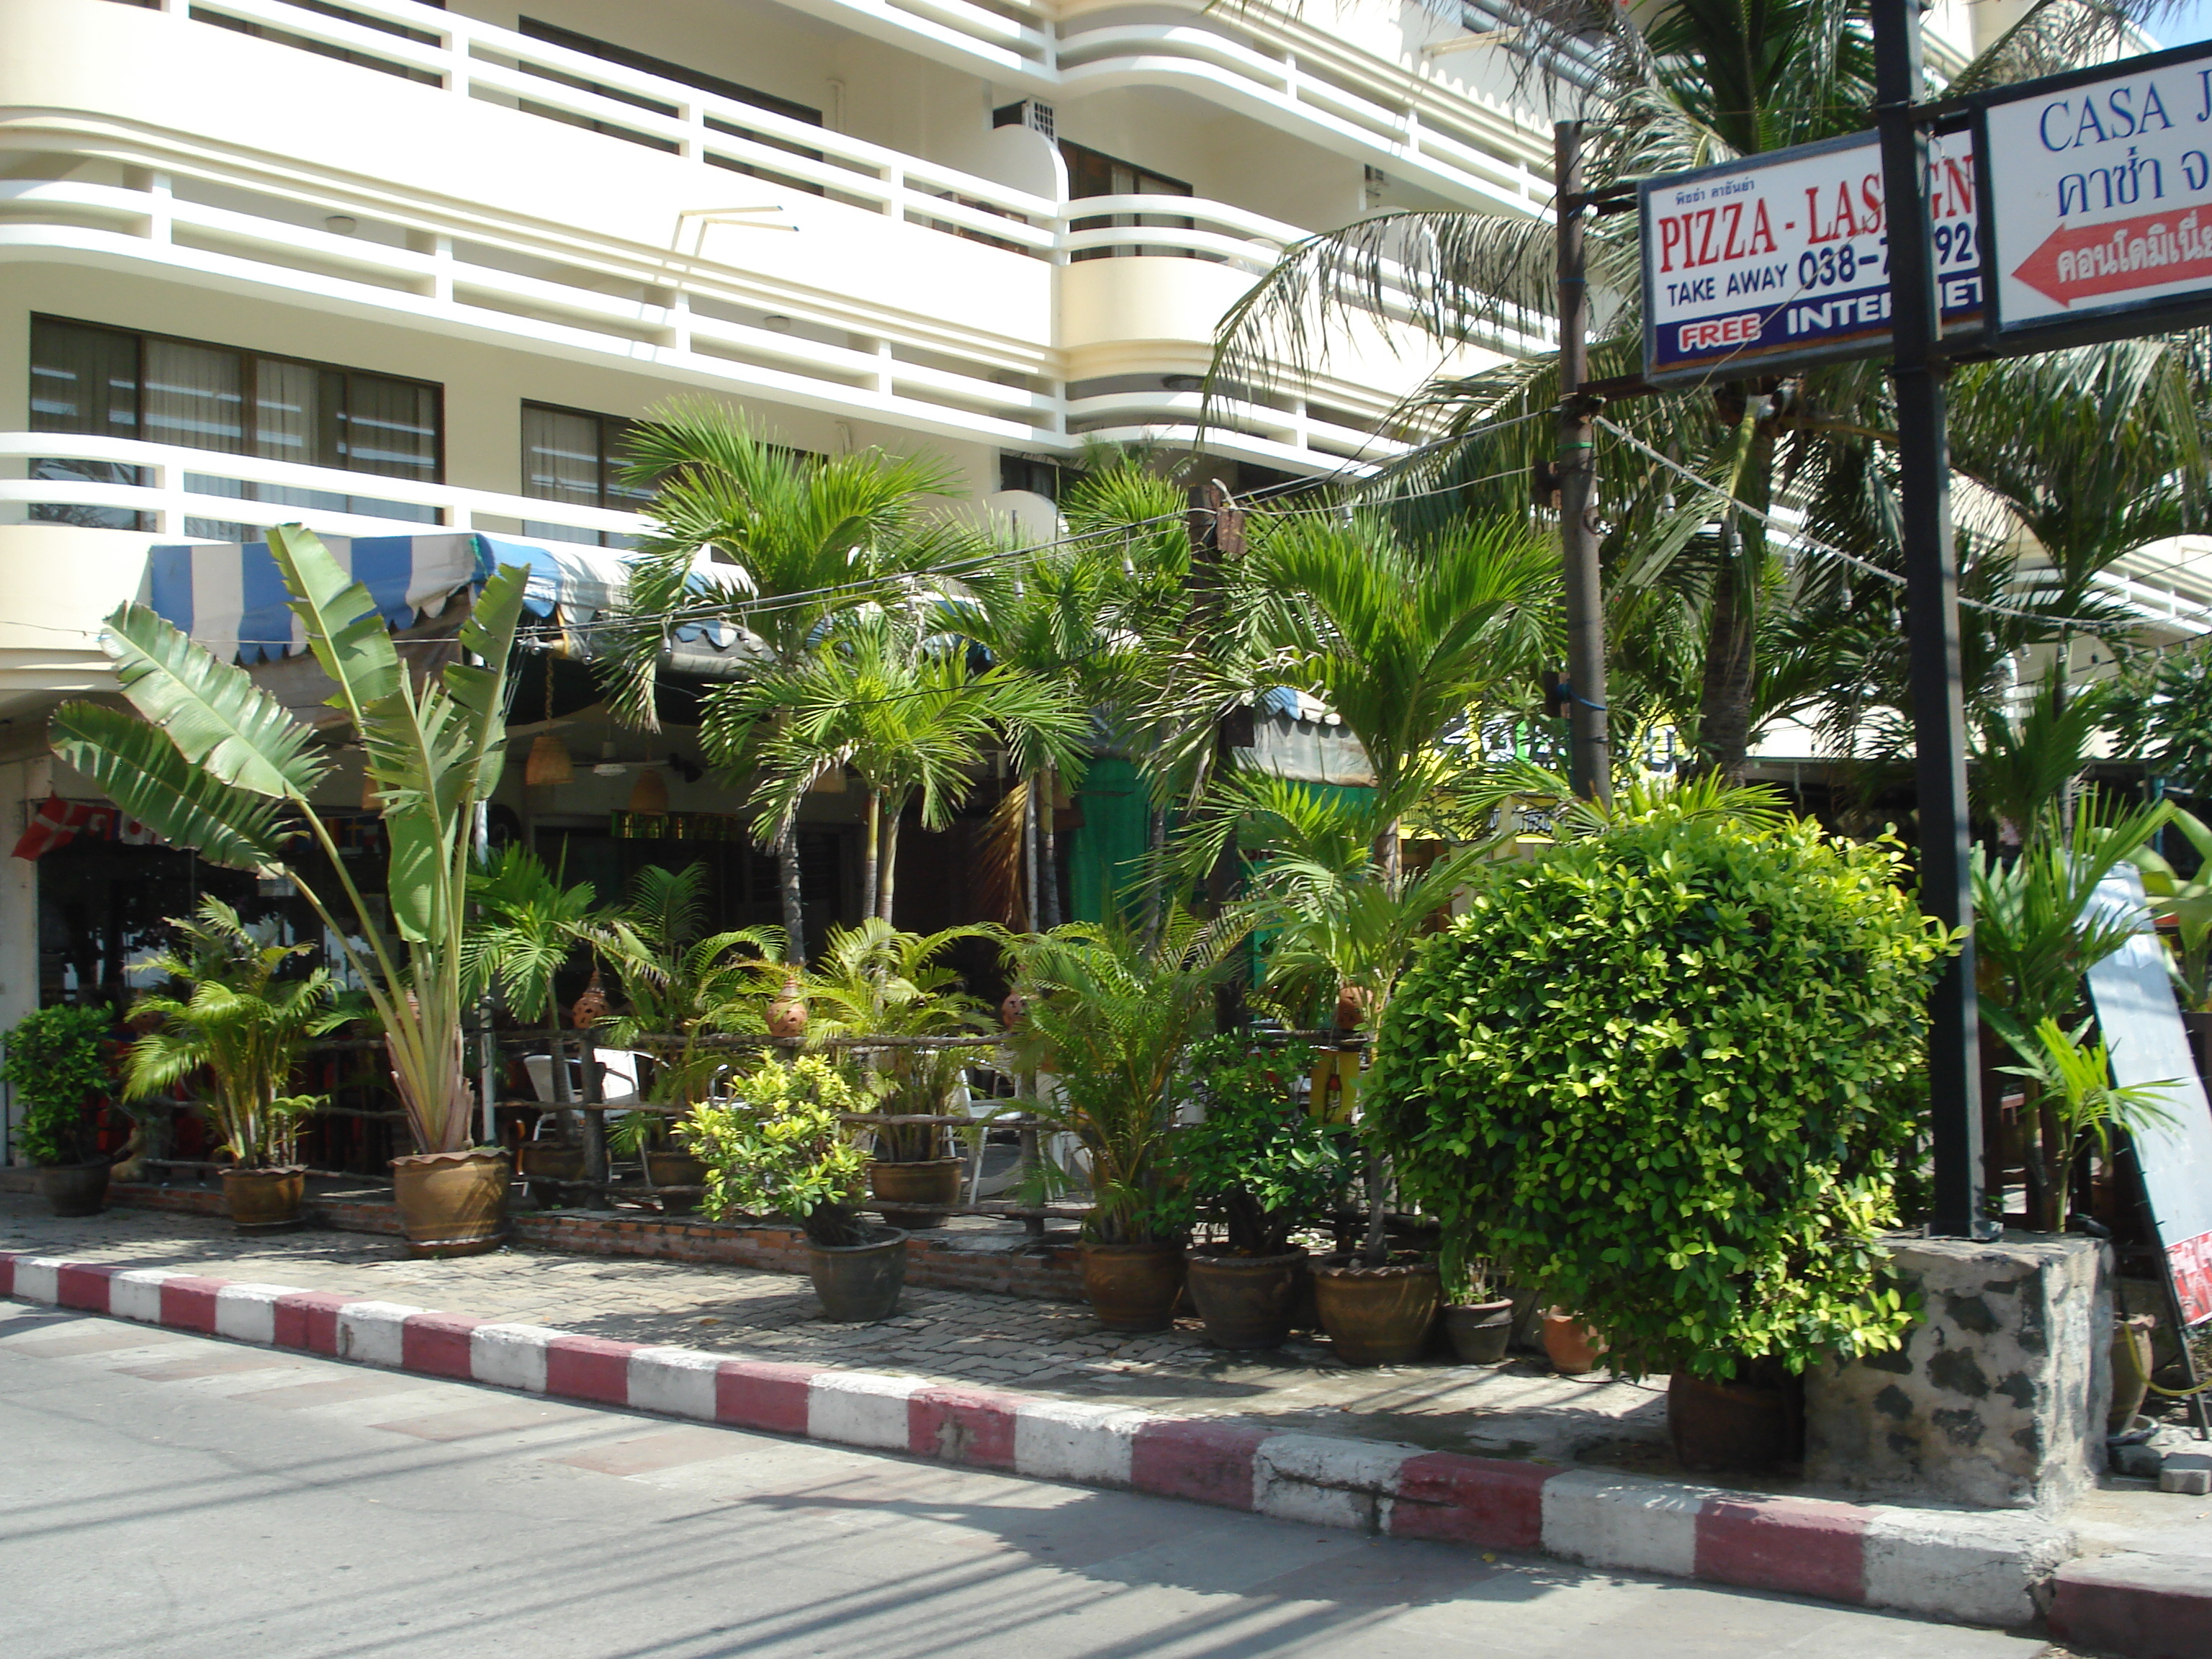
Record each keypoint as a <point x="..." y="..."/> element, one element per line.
<point x="1663" y="1073"/>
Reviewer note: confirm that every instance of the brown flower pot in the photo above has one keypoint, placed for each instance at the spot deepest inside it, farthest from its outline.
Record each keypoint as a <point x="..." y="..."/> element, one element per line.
<point x="1739" y="1425"/>
<point x="1247" y="1301"/>
<point x="75" y="1189"/>
<point x="1572" y="1347"/>
<point x="787" y="1010"/>
<point x="676" y="1169"/>
<point x="452" y="1203"/>
<point x="2133" y="1361"/>
<point x="860" y="1284"/>
<point x="1133" y="1287"/>
<point x="1479" y="1331"/>
<point x="545" y="1165"/>
<point x="262" y="1200"/>
<point x="916" y="1195"/>
<point x="1378" y="1315"/>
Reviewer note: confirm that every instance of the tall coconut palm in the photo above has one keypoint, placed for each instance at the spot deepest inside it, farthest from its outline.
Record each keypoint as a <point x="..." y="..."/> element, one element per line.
<point x="1677" y="84"/>
<point x="747" y="534"/>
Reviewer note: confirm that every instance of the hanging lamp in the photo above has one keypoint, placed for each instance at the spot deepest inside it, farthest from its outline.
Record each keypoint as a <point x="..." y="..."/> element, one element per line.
<point x="548" y="760"/>
<point x="649" y="794"/>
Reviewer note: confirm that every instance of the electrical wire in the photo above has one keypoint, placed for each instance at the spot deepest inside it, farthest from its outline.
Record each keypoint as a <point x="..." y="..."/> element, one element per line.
<point x="1813" y="543"/>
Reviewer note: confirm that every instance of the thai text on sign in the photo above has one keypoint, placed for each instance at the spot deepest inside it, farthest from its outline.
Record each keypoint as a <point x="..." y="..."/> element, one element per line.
<point x="1781" y="259"/>
<point x="2100" y="192"/>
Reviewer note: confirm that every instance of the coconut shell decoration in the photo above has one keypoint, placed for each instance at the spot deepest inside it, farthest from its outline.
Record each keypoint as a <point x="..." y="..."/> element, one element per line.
<point x="591" y="1007"/>
<point x="1355" y="1006"/>
<point x="1014" y="1009"/>
<point x="786" y="1011"/>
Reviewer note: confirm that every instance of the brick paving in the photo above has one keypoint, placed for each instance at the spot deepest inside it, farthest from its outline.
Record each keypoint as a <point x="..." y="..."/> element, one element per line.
<point x="1518" y="1410"/>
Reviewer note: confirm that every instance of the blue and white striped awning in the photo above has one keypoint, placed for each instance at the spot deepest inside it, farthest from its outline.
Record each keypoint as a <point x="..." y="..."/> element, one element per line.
<point x="230" y="598"/>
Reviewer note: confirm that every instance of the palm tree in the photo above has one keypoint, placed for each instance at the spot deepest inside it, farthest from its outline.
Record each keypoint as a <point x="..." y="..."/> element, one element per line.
<point x="1403" y="637"/>
<point x="749" y="535"/>
<point x="1697" y="596"/>
<point x="901" y="705"/>
<point x="677" y="980"/>
<point x="234" y="1015"/>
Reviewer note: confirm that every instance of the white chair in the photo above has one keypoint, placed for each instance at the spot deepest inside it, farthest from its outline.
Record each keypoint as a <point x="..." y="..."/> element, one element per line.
<point x="618" y="1082"/>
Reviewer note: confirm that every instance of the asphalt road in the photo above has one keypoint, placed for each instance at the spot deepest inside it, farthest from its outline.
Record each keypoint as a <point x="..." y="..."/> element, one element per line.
<point x="167" y="1497"/>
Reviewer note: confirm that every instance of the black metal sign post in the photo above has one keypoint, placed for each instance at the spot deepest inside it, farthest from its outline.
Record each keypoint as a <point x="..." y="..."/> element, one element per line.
<point x="1589" y="755"/>
<point x="1939" y="724"/>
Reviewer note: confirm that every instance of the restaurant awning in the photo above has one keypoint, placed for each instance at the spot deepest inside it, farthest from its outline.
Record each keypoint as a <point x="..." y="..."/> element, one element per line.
<point x="230" y="597"/>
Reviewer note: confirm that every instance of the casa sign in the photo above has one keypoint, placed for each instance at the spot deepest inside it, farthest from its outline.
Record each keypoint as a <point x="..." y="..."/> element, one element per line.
<point x="2097" y="190"/>
<point x="1781" y="260"/>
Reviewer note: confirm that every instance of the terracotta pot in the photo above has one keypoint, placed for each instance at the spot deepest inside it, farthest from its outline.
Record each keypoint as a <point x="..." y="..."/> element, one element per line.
<point x="860" y="1284"/>
<point x="916" y="1195"/>
<point x="1133" y="1287"/>
<point x="263" y="1199"/>
<point x="543" y="1164"/>
<point x="1355" y="1006"/>
<point x="1479" y="1331"/>
<point x="1739" y="1425"/>
<point x="2134" y="1358"/>
<point x="1572" y="1347"/>
<point x="75" y="1189"/>
<point x="674" y="1169"/>
<point x="452" y="1203"/>
<point x="1247" y="1301"/>
<point x="1378" y="1315"/>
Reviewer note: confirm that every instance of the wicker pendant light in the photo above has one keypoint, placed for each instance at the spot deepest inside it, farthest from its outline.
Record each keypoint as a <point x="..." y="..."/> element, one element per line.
<point x="549" y="762"/>
<point x="649" y="793"/>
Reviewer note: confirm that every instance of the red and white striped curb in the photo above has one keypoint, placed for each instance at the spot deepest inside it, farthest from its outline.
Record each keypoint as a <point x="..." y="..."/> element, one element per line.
<point x="1971" y="1568"/>
<point x="2148" y="1607"/>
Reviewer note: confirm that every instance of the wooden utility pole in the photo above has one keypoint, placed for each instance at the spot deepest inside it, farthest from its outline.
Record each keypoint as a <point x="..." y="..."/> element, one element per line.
<point x="1932" y="587"/>
<point x="1589" y="759"/>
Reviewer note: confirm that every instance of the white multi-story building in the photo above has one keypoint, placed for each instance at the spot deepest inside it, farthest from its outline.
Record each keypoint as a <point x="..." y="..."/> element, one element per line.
<point x="395" y="269"/>
<point x="404" y="270"/>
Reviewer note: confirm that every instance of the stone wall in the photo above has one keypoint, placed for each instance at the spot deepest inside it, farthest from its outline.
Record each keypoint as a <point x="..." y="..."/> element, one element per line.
<point x="1998" y="1399"/>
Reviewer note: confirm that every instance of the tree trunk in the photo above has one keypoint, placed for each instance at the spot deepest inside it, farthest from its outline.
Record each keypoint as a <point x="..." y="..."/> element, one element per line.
<point x="1727" y="696"/>
<point x="2049" y="1203"/>
<point x="1050" y="835"/>
<point x="871" y="866"/>
<point x="786" y="870"/>
<point x="1029" y="853"/>
<point x="887" y="878"/>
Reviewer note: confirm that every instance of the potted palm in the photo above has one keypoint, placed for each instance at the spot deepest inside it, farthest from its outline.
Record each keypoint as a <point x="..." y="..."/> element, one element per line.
<point x="1265" y="1167"/>
<point x="232" y="1015"/>
<point x="1478" y="1313"/>
<point x="781" y="1148"/>
<point x="212" y="761"/>
<point x="58" y="1066"/>
<point x="1108" y="1017"/>
<point x="876" y="981"/>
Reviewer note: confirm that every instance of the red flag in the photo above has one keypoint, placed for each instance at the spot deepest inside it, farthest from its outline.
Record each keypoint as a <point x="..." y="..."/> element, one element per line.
<point x="56" y="823"/>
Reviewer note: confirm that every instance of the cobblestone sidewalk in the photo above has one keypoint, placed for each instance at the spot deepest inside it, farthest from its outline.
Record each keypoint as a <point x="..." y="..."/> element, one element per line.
<point x="1517" y="1410"/>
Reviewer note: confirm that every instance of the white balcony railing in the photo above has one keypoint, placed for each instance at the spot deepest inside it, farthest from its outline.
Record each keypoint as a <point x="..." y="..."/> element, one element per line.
<point x="176" y="485"/>
<point x="1293" y="75"/>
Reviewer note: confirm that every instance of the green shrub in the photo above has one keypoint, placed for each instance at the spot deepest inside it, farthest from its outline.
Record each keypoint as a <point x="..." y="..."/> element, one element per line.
<point x="1258" y="1159"/>
<point x="55" y="1064"/>
<point x="780" y="1149"/>
<point x="1655" y="1071"/>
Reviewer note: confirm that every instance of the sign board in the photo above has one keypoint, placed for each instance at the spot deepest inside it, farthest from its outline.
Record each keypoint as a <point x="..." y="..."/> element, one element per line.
<point x="2142" y="1025"/>
<point x="1761" y="265"/>
<point x="2097" y="200"/>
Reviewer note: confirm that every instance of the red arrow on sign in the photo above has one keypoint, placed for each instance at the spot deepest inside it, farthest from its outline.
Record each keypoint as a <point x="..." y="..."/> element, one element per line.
<point x="2147" y="252"/>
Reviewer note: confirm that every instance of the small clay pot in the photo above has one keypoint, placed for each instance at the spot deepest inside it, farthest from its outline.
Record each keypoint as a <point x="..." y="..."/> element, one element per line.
<point x="1133" y="1287"/>
<point x="916" y="1195"/>
<point x="673" y="1169"/>
<point x="1355" y="1006"/>
<point x="73" y="1190"/>
<point x="1247" y="1301"/>
<point x="1478" y="1332"/>
<point x="1572" y="1347"/>
<point x="1014" y="1009"/>
<point x="1378" y="1315"/>
<point x="452" y="1203"/>
<point x="860" y="1284"/>
<point x="264" y="1200"/>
